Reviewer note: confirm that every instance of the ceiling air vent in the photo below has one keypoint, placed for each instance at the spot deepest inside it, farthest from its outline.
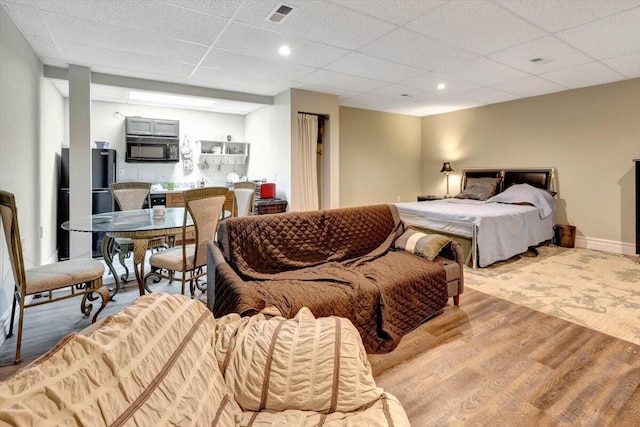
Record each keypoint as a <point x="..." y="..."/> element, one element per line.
<point x="279" y="14"/>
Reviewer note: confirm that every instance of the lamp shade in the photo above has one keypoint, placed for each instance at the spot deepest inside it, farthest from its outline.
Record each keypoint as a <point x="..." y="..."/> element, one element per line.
<point x="446" y="167"/>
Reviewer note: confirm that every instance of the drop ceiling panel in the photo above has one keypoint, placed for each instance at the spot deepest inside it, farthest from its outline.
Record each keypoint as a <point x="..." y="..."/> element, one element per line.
<point x="152" y="17"/>
<point x="622" y="35"/>
<point x="377" y="101"/>
<point x="249" y="83"/>
<point x="529" y="86"/>
<point x="487" y="95"/>
<point x="341" y="93"/>
<point x="27" y="19"/>
<point x="480" y="27"/>
<point x="373" y="68"/>
<point x="322" y="22"/>
<point x="342" y="81"/>
<point x="554" y="53"/>
<point x="484" y="71"/>
<point x="95" y="34"/>
<point x="414" y="49"/>
<point x="627" y="65"/>
<point x="223" y="8"/>
<point x="278" y="67"/>
<point x="397" y="12"/>
<point x="559" y="15"/>
<point x="590" y="74"/>
<point x="96" y="57"/>
<point x="44" y="47"/>
<point x="395" y="91"/>
<point x="254" y="41"/>
<point x="431" y="80"/>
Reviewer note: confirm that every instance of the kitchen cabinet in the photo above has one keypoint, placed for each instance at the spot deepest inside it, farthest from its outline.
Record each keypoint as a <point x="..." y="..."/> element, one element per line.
<point x="224" y="152"/>
<point x="152" y="127"/>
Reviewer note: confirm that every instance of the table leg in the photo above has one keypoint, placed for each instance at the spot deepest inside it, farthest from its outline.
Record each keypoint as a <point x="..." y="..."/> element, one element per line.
<point x="139" y="254"/>
<point x="108" y="259"/>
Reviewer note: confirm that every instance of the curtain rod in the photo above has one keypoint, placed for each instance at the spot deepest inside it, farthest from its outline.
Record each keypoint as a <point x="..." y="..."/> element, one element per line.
<point x="324" y="116"/>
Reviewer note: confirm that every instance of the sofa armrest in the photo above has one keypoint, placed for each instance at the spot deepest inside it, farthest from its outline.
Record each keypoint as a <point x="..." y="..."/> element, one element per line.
<point x="453" y="252"/>
<point x="227" y="292"/>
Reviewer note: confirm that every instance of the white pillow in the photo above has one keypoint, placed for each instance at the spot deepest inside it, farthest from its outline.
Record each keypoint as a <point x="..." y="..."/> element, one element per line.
<point x="302" y="363"/>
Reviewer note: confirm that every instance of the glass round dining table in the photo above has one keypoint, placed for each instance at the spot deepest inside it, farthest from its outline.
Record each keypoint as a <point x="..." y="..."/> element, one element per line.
<point x="138" y="225"/>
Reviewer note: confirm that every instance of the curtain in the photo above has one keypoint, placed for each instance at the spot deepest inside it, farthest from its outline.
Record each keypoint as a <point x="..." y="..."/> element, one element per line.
<point x="308" y="139"/>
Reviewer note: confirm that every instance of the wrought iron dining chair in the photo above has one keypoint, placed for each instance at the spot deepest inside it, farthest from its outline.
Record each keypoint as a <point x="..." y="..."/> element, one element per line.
<point x="243" y="198"/>
<point x="80" y="277"/>
<point x="205" y="207"/>
<point x="129" y="196"/>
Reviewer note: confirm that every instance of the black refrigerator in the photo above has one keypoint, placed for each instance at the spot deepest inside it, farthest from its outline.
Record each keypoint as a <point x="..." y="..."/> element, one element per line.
<point x="103" y="173"/>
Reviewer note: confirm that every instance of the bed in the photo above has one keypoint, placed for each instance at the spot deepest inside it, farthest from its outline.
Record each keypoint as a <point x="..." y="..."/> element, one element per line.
<point x="518" y="216"/>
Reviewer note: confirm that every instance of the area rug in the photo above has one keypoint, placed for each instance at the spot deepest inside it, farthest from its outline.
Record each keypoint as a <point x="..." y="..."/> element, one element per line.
<point x="595" y="289"/>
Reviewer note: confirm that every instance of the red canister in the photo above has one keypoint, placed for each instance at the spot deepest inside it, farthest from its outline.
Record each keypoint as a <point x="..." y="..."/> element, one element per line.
<point x="268" y="190"/>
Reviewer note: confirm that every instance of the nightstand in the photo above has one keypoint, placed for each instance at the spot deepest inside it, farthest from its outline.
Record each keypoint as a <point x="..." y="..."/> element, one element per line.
<point x="428" y="198"/>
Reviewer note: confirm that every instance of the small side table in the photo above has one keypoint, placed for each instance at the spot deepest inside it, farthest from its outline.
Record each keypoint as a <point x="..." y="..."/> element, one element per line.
<point x="429" y="198"/>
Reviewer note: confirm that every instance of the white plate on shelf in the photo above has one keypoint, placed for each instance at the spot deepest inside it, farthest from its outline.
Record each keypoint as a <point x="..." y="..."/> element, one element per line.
<point x="233" y="177"/>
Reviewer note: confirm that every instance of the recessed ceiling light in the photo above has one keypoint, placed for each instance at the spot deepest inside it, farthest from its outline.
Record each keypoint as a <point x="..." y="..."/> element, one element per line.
<point x="441" y="86"/>
<point x="284" y="50"/>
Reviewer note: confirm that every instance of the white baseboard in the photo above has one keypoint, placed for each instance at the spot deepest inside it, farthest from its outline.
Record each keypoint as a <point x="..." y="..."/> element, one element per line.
<point x="606" y="245"/>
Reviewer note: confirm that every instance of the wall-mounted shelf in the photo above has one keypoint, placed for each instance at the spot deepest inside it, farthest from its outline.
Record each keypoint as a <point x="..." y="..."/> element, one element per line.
<point x="224" y="152"/>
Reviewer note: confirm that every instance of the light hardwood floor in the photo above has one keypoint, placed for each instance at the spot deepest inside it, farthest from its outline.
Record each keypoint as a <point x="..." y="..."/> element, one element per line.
<point x="487" y="363"/>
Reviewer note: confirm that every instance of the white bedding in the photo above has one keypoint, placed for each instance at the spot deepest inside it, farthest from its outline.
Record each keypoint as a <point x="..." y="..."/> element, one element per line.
<point x="504" y="230"/>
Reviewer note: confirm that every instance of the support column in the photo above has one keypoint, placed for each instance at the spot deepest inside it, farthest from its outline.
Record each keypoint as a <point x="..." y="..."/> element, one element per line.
<point x="79" y="156"/>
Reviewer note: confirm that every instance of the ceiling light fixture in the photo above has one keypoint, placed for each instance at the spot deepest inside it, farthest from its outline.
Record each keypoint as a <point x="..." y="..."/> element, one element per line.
<point x="284" y="50"/>
<point x="441" y="86"/>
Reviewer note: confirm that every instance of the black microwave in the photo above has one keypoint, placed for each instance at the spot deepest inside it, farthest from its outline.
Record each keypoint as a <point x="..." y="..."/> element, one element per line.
<point x="145" y="149"/>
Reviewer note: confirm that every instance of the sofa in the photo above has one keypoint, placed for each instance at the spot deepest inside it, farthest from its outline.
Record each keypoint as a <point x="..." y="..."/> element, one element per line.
<point x="339" y="262"/>
<point x="165" y="360"/>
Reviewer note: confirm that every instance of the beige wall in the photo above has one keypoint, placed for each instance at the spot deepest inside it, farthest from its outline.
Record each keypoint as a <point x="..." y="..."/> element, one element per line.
<point x="30" y="137"/>
<point x="590" y="135"/>
<point x="303" y="101"/>
<point x="380" y="157"/>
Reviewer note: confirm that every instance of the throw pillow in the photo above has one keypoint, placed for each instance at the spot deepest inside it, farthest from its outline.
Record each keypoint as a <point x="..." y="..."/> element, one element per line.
<point x="426" y="245"/>
<point x="302" y="363"/>
<point x="479" y="188"/>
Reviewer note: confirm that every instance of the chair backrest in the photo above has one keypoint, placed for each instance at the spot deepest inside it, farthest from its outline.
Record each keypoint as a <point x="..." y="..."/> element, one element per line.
<point x="130" y="195"/>
<point x="205" y="206"/>
<point x="244" y="196"/>
<point x="9" y="215"/>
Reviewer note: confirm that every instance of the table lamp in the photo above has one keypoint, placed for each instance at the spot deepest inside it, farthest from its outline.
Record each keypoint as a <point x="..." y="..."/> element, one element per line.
<point x="446" y="168"/>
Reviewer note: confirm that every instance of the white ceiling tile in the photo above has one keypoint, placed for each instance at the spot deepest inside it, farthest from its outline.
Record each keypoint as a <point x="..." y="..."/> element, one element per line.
<point x="487" y="95"/>
<point x="277" y="67"/>
<point x="26" y="18"/>
<point x="152" y="17"/>
<point x="411" y="94"/>
<point x="478" y="26"/>
<point x="241" y="82"/>
<point x="321" y="21"/>
<point x="554" y="53"/>
<point x="376" y="101"/>
<point x="559" y="15"/>
<point x="484" y="71"/>
<point x="627" y="65"/>
<point x="223" y="8"/>
<point x="341" y="81"/>
<point x="414" y="49"/>
<point x="95" y="57"/>
<point x="56" y="62"/>
<point x="613" y="36"/>
<point x="107" y="36"/>
<point x="432" y="109"/>
<point x="264" y="44"/>
<point x="361" y="65"/>
<point x="396" y="11"/>
<point x="431" y="80"/>
<point x="584" y="75"/>
<point x="44" y="46"/>
<point x="529" y="86"/>
<point x="342" y="93"/>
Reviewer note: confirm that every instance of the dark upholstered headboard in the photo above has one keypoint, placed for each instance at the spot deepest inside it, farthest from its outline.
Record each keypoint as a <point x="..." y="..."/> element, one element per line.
<point x="544" y="178"/>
